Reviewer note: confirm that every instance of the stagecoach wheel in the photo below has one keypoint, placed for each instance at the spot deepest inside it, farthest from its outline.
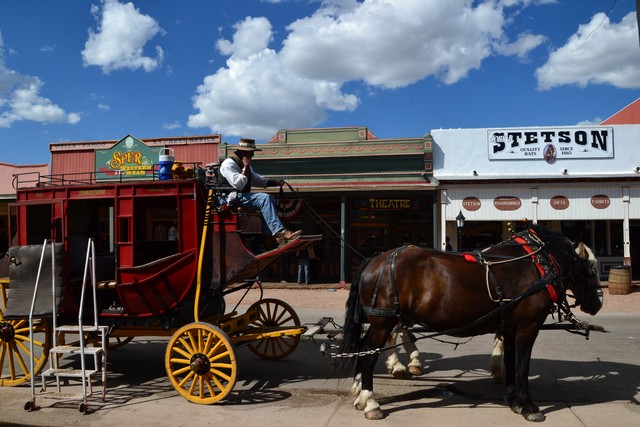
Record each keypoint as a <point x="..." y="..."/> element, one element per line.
<point x="201" y="363"/>
<point x="275" y="313"/>
<point x="15" y="349"/>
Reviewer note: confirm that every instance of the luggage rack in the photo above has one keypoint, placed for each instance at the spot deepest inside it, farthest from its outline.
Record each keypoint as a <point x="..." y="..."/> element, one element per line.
<point x="36" y="179"/>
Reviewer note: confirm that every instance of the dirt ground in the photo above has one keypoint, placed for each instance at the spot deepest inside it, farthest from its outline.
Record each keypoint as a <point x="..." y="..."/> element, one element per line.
<point x="333" y="296"/>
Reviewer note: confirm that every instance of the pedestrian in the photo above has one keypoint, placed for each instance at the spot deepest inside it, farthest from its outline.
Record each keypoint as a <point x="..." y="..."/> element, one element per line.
<point x="448" y="247"/>
<point x="304" y="259"/>
<point x="239" y="174"/>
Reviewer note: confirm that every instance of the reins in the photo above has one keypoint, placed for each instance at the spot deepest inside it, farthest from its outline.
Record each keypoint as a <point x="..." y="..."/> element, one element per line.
<point x="318" y="219"/>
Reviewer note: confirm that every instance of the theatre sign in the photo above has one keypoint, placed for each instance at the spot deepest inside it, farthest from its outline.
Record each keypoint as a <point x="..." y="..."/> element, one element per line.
<point x="550" y="144"/>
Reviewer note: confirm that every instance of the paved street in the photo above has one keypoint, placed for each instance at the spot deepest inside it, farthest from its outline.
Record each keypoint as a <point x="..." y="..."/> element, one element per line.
<point x="576" y="382"/>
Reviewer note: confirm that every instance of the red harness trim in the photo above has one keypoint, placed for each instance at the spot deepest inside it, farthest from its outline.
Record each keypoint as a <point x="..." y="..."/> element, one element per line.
<point x="469" y="257"/>
<point x="550" y="287"/>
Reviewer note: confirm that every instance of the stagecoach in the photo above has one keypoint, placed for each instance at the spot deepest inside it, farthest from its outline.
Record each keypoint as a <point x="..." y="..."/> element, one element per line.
<point x="97" y="260"/>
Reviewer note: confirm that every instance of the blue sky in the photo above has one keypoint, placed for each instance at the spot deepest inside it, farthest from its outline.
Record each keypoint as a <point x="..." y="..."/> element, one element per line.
<point x="78" y="70"/>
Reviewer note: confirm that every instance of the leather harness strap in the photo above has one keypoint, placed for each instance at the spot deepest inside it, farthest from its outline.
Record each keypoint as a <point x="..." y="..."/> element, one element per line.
<point x="547" y="270"/>
<point x="372" y="310"/>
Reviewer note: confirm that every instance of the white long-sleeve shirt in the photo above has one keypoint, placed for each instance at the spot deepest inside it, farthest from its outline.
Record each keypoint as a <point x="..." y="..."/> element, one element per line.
<point x="232" y="172"/>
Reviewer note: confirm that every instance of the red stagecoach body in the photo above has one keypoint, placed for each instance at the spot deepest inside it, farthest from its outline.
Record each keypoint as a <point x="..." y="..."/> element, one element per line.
<point x="147" y="236"/>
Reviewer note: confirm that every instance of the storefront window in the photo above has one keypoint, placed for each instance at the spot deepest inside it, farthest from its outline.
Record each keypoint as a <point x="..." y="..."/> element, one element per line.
<point x="480" y="234"/>
<point x="605" y="240"/>
<point x="617" y="248"/>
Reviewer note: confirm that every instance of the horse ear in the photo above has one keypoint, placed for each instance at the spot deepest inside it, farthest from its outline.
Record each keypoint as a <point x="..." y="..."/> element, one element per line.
<point x="581" y="251"/>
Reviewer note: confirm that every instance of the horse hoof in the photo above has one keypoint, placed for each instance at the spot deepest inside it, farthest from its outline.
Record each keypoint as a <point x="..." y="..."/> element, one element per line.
<point x="400" y="374"/>
<point x="374" y="414"/>
<point x="416" y="370"/>
<point x="535" y="417"/>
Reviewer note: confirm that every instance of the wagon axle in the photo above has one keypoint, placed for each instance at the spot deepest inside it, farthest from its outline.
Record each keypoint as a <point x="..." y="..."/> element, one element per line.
<point x="7" y="332"/>
<point x="200" y="364"/>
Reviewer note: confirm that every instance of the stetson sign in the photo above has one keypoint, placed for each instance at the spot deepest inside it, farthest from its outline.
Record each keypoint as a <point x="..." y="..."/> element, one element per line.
<point x="565" y="143"/>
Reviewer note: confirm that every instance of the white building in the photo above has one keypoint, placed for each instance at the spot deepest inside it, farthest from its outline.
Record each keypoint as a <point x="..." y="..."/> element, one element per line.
<point x="583" y="181"/>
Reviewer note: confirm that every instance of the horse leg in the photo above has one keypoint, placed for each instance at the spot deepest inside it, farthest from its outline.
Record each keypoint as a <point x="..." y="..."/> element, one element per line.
<point x="365" y="401"/>
<point x="509" y="359"/>
<point x="517" y="359"/>
<point x="498" y="371"/>
<point x="393" y="364"/>
<point x="356" y="387"/>
<point x="415" y="366"/>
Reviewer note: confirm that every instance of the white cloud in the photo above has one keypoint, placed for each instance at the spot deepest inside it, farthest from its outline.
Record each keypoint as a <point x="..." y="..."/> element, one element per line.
<point x="600" y="52"/>
<point x="20" y="99"/>
<point x="120" y="38"/>
<point x="385" y="44"/>
<point x="251" y="37"/>
<point x="171" y="126"/>
<point x="394" y="43"/>
<point x="522" y="46"/>
<point x="255" y="94"/>
<point x="594" y="122"/>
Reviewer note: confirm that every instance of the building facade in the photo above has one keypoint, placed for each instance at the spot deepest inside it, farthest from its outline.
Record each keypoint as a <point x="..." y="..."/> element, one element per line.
<point x="8" y="194"/>
<point x="366" y="194"/>
<point x="362" y="193"/>
<point x="582" y="181"/>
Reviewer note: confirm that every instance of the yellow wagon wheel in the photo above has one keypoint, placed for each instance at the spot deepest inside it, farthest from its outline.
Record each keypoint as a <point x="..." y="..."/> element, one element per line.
<point x="201" y="363"/>
<point x="15" y="349"/>
<point x="274" y="313"/>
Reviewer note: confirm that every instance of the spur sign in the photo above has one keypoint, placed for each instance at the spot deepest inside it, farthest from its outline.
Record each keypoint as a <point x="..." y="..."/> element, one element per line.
<point x="550" y="143"/>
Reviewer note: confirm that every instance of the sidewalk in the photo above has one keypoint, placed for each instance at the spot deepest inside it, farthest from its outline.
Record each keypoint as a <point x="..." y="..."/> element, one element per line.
<point x="629" y="303"/>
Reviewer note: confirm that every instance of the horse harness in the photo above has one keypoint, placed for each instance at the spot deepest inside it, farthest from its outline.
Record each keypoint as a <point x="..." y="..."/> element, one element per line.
<point x="551" y="278"/>
<point x="542" y="259"/>
<point x="372" y="310"/>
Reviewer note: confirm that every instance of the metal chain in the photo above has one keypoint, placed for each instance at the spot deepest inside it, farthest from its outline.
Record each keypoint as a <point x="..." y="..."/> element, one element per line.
<point x="358" y="354"/>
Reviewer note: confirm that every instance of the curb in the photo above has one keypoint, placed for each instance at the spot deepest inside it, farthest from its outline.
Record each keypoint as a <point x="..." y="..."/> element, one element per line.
<point x="299" y="286"/>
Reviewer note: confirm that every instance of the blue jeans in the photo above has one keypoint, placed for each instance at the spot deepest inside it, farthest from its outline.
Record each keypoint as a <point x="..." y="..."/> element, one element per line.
<point x="266" y="204"/>
<point x="303" y="271"/>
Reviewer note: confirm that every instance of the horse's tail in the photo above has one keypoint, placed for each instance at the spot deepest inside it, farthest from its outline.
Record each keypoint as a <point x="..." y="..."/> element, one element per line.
<point x="352" y="329"/>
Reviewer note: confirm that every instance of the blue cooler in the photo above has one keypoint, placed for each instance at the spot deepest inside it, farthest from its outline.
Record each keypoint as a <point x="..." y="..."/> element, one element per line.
<point x="165" y="164"/>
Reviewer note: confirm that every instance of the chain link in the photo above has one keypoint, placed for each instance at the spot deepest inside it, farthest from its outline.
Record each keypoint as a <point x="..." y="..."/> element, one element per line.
<point x="347" y="355"/>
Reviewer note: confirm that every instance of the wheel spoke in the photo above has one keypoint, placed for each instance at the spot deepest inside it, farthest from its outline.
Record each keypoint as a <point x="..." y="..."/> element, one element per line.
<point x="205" y="372"/>
<point x="16" y="353"/>
<point x="273" y="313"/>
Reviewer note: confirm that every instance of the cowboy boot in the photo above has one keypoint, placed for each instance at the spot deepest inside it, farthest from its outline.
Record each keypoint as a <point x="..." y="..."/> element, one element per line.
<point x="285" y="236"/>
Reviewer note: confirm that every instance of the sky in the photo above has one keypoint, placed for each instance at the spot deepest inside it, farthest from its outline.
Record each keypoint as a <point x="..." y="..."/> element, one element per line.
<point x="85" y="70"/>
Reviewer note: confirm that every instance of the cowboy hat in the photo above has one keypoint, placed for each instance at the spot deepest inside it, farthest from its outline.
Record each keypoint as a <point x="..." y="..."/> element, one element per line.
<point x="247" y="144"/>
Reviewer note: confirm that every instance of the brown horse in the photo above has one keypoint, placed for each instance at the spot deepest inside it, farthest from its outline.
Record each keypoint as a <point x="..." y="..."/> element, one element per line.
<point x="508" y="289"/>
